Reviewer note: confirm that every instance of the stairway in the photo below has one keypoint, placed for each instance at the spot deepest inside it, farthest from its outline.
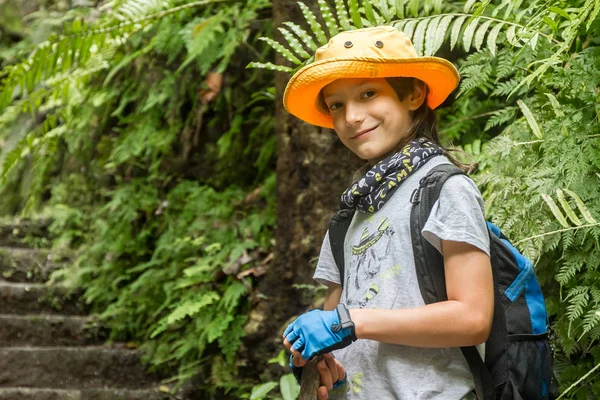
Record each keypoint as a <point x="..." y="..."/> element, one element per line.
<point x="49" y="348"/>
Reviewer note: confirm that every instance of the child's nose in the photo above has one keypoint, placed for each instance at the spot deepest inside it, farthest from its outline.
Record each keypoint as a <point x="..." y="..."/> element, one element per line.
<point x="354" y="114"/>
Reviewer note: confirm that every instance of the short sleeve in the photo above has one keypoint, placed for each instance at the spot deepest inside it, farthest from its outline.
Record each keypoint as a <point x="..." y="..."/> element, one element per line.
<point x="458" y="215"/>
<point x="326" y="271"/>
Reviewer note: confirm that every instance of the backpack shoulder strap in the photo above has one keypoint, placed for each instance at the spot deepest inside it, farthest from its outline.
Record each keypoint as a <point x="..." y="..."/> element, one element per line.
<point x="429" y="263"/>
<point x="338" y="227"/>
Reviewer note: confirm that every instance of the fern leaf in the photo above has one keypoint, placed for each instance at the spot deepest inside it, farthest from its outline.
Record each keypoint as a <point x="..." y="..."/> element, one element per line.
<point x="567" y="207"/>
<point x="409" y="28"/>
<point x="281" y="50"/>
<point x="185" y="309"/>
<point x="469" y="6"/>
<point x="480" y="34"/>
<point x="302" y="34"/>
<point x="342" y="15"/>
<point x="413" y="6"/>
<point x="294" y="43"/>
<point x="369" y="12"/>
<point x="399" y="4"/>
<point x="355" y="13"/>
<point x="456" y="26"/>
<point x="555" y="210"/>
<point x="430" y="35"/>
<point x="384" y="9"/>
<point x="419" y="37"/>
<point x="511" y="36"/>
<point x="436" y="41"/>
<point x="269" y="66"/>
<point x="315" y="26"/>
<point x="492" y="37"/>
<point x="535" y="128"/>
<point x="555" y="105"/>
<point x="582" y="207"/>
<point x="328" y="17"/>
<point x="469" y="33"/>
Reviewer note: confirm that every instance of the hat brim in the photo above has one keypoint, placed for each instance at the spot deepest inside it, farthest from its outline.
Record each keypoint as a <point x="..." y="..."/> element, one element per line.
<point x="302" y="91"/>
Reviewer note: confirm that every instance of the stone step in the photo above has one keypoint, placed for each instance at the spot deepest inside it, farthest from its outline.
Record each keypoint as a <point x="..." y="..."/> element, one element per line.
<point x="36" y="298"/>
<point x="90" y="394"/>
<point x="26" y="265"/>
<point x="49" y="330"/>
<point x="24" y="232"/>
<point x="87" y="367"/>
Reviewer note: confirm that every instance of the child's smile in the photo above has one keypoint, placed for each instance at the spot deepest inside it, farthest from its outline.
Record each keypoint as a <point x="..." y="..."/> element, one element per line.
<point x="368" y="116"/>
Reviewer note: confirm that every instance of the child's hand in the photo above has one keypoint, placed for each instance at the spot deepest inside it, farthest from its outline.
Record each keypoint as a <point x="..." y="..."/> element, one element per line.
<point x="332" y="374"/>
<point x="318" y="332"/>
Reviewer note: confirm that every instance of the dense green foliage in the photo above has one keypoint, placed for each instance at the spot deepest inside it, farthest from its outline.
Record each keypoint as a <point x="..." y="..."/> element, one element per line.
<point x="160" y="178"/>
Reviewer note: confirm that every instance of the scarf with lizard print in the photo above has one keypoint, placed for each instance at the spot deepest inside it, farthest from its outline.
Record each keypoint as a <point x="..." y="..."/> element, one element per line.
<point x="370" y="193"/>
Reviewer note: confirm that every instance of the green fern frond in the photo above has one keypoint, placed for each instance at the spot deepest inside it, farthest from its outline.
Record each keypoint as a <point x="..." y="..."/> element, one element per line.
<point x="281" y="50"/>
<point x="293" y="43"/>
<point x="342" y="15"/>
<point x="270" y="66"/>
<point x="355" y="13"/>
<point x="302" y="34"/>
<point x="315" y="26"/>
<point x="327" y="15"/>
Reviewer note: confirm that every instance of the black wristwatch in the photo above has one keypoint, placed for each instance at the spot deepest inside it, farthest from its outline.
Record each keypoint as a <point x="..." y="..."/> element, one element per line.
<point x="345" y="321"/>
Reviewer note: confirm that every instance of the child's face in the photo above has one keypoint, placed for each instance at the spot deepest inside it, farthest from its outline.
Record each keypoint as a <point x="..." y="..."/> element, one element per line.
<point x="367" y="115"/>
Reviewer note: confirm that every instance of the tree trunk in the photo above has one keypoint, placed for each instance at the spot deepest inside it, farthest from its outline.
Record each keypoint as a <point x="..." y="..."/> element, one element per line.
<point x="313" y="168"/>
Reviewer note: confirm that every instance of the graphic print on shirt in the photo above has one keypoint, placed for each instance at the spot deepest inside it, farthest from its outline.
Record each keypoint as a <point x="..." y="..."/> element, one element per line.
<point x="366" y="264"/>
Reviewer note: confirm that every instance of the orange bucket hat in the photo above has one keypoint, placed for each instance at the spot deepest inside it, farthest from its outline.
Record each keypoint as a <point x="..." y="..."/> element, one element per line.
<point x="378" y="52"/>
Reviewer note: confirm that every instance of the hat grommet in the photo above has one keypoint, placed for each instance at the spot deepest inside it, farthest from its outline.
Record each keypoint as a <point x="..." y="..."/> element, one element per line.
<point x="348" y="44"/>
<point x="379" y="44"/>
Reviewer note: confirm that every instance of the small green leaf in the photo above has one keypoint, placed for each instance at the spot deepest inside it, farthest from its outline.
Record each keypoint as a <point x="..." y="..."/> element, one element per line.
<point x="469" y="5"/>
<point x="327" y="15"/>
<point x="469" y="33"/>
<point x="278" y="47"/>
<point x="511" y="36"/>
<point x="555" y="210"/>
<point x="455" y="31"/>
<point x="560" y="12"/>
<point x="355" y="13"/>
<point x="315" y="26"/>
<point x="271" y="66"/>
<point x="400" y="8"/>
<point x="567" y="207"/>
<point x="419" y="38"/>
<point x="582" y="207"/>
<point x="368" y="7"/>
<point x="491" y="39"/>
<point x="413" y="5"/>
<point x="409" y="28"/>
<point x="431" y="35"/>
<point x="439" y="35"/>
<point x="294" y="43"/>
<point x="302" y="34"/>
<point x="289" y="387"/>
<point x="259" y="392"/>
<point x="342" y="15"/>
<point x="555" y="105"/>
<point x="535" y="128"/>
<point x="384" y="9"/>
<point x="480" y="34"/>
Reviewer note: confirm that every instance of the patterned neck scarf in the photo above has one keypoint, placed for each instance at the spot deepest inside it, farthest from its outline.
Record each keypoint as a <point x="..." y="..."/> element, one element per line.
<point x="370" y="192"/>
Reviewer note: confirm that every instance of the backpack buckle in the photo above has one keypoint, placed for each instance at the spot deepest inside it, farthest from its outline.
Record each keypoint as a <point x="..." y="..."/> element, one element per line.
<point x="415" y="197"/>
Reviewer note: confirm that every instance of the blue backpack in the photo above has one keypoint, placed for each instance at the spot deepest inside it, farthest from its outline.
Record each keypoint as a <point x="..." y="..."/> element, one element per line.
<point x="518" y="358"/>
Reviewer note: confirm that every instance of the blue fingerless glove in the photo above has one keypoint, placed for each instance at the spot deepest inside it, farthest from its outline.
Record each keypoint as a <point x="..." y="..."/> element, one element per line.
<point x="318" y="332"/>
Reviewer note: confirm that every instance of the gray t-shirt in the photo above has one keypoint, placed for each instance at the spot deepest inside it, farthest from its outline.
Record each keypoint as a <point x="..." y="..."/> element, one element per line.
<point x="380" y="273"/>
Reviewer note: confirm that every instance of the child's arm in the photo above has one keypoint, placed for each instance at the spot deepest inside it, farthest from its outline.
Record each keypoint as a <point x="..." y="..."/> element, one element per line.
<point x="464" y="320"/>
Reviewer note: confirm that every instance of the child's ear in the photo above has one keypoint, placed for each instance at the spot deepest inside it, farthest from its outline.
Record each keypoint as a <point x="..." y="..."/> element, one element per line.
<point x="417" y="96"/>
